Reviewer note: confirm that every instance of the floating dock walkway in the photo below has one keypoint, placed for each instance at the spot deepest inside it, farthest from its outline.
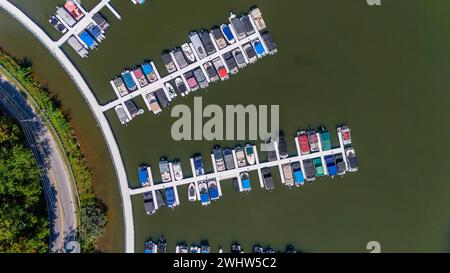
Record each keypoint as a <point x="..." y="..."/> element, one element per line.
<point x="235" y="173"/>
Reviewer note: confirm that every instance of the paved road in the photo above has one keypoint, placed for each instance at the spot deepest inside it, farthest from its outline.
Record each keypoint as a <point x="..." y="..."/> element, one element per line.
<point x="108" y="135"/>
<point x="56" y="181"/>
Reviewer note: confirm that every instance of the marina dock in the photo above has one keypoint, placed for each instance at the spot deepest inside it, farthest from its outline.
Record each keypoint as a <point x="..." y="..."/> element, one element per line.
<point x="235" y="173"/>
<point x="161" y="82"/>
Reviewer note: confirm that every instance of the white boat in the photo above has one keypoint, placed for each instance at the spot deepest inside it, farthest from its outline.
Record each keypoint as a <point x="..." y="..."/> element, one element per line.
<point x="171" y="90"/>
<point x="187" y="50"/>
<point x="192" y="192"/>
<point x="249" y="154"/>
<point x="177" y="170"/>
<point x="240" y="156"/>
<point x="258" y="19"/>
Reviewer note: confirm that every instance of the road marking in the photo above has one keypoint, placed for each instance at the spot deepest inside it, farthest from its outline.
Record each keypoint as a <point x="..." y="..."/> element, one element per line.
<point x="60" y="210"/>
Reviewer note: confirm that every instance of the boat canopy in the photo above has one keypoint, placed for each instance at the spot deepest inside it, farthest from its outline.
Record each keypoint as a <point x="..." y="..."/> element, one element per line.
<point x="246" y="184"/>
<point x="170" y="196"/>
<point x="143" y="175"/>
<point x="87" y="39"/>
<point x="147" y="68"/>
<point x="298" y="176"/>
<point x="259" y="48"/>
<point x="204" y="197"/>
<point x="213" y="193"/>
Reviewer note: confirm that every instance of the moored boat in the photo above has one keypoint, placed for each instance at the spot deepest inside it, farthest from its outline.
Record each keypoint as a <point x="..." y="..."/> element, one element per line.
<point x="120" y="86"/>
<point x="324" y="139"/>
<point x="192" y="192"/>
<point x="149" y="72"/>
<point x="250" y="52"/>
<point x="143" y="175"/>
<point x="282" y="145"/>
<point x="181" y="248"/>
<point x="121" y="114"/>
<point x="230" y="62"/>
<point x="181" y="87"/>
<point x="187" y="50"/>
<point x="312" y="140"/>
<point x="162" y="245"/>
<point x="270" y="44"/>
<point x="240" y="156"/>
<point x="259" y="48"/>
<point x="168" y="62"/>
<point x="198" y="165"/>
<point x="170" y="90"/>
<point x="220" y="67"/>
<point x="191" y="81"/>
<point x="201" y="78"/>
<point x="258" y="19"/>
<point x="204" y="195"/>
<point x="218" y="158"/>
<point x="330" y="165"/>
<point x="298" y="174"/>
<point x="54" y="21"/>
<point x="267" y="178"/>
<point x="140" y="77"/>
<point x="302" y="138"/>
<point x="250" y="154"/>
<point x="179" y="58"/>
<point x="245" y="182"/>
<point x="235" y="184"/>
<point x="318" y="166"/>
<point x="207" y="42"/>
<point x="237" y="26"/>
<point x="73" y="10"/>
<point x="198" y="45"/>
<point x="213" y="189"/>
<point x="245" y="20"/>
<point x="149" y="204"/>
<point x="170" y="197"/>
<point x="340" y="164"/>
<point x="271" y="153"/>
<point x="154" y="105"/>
<point x="128" y="79"/>
<point x="219" y="38"/>
<point x="177" y="170"/>
<point x="164" y="169"/>
<point x="345" y="133"/>
<point x="228" y="157"/>
<point x="150" y="247"/>
<point x="287" y="173"/>
<point x="239" y="57"/>
<point x="310" y="173"/>
<point x="226" y="31"/>
<point x="352" y="160"/>
<point x="211" y="71"/>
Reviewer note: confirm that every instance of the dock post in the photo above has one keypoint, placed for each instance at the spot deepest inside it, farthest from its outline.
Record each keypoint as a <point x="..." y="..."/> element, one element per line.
<point x="261" y="181"/>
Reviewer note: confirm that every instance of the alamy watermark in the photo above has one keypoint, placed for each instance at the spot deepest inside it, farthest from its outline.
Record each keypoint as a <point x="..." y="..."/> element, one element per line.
<point x="230" y="123"/>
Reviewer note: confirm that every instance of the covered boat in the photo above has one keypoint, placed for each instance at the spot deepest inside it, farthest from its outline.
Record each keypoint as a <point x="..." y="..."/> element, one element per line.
<point x="240" y="156"/>
<point x="250" y="52"/>
<point x="204" y="195"/>
<point x="220" y="67"/>
<point x="150" y="247"/>
<point x="149" y="72"/>
<point x="198" y="164"/>
<point x="230" y="62"/>
<point x="198" y="45"/>
<point x="164" y="170"/>
<point x="219" y="38"/>
<point x="168" y="62"/>
<point x="298" y="174"/>
<point x="302" y="138"/>
<point x="207" y="42"/>
<point x="149" y="204"/>
<point x="191" y="81"/>
<point x="201" y="79"/>
<point x="179" y="58"/>
<point x="258" y="19"/>
<point x="267" y="178"/>
<point x="162" y="98"/>
<point x="213" y="189"/>
<point x="132" y="108"/>
<point x="87" y="39"/>
<point x="271" y="153"/>
<point x="310" y="173"/>
<point x="239" y="57"/>
<point x="170" y="197"/>
<point x="120" y="86"/>
<point x="154" y="105"/>
<point x="218" y="158"/>
<point x="121" y="114"/>
<point x="331" y="165"/>
<point x="144" y="179"/>
<point x="211" y="71"/>
<point x="128" y="79"/>
<point x="140" y="77"/>
<point x="312" y="140"/>
<point x="318" y="167"/>
<point x="340" y="164"/>
<point x="73" y="10"/>
<point x="237" y="26"/>
<point x="287" y="174"/>
<point x="226" y="31"/>
<point x="259" y="48"/>
<point x="270" y="44"/>
<point x="282" y="145"/>
<point x="325" y="138"/>
<point x="245" y="20"/>
<point x="65" y="16"/>
<point x="229" y="160"/>
<point x="245" y="182"/>
<point x="96" y="32"/>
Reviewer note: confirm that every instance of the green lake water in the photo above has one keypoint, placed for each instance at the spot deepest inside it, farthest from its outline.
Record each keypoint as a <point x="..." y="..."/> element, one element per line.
<point x="382" y="70"/>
